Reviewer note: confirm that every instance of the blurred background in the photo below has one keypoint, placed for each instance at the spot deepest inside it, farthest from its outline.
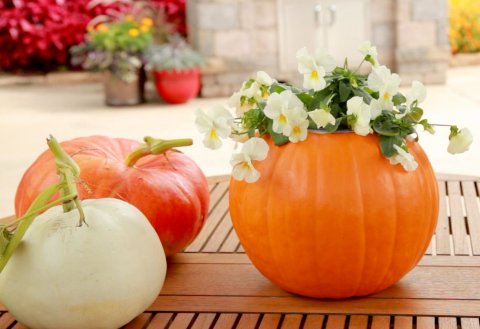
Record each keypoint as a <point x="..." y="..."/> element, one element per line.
<point x="75" y="68"/>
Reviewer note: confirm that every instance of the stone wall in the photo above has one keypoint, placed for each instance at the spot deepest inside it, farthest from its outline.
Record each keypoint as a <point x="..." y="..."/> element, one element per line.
<point x="240" y="37"/>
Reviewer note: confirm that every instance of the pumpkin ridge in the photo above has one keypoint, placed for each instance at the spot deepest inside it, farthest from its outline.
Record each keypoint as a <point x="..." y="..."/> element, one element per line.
<point x="359" y="186"/>
<point x="272" y="172"/>
<point x="381" y="282"/>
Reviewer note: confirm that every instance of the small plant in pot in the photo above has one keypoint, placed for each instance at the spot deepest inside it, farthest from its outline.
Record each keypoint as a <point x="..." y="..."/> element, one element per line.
<point x="117" y="48"/>
<point x="176" y="69"/>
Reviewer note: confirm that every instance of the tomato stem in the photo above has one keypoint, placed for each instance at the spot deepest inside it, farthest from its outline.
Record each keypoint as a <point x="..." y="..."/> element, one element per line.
<point x="154" y="146"/>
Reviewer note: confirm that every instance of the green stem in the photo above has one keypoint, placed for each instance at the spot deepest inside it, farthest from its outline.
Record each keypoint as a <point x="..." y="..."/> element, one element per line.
<point x="24" y="222"/>
<point x="154" y="146"/>
<point x="67" y="169"/>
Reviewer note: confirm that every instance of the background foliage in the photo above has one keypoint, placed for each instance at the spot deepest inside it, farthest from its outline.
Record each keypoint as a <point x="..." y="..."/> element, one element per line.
<point x="37" y="34"/>
<point x="464" y="29"/>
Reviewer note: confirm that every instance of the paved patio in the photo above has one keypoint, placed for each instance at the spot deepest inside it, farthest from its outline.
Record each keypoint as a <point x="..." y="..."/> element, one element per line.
<point x="28" y="114"/>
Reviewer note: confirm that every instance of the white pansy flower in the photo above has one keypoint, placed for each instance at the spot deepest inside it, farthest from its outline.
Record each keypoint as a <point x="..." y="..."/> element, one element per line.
<point x="418" y="93"/>
<point x="404" y="158"/>
<point x="386" y="83"/>
<point x="264" y="79"/>
<point x="279" y="106"/>
<point x="253" y="91"/>
<point x="313" y="73"/>
<point x="371" y="52"/>
<point x="215" y="123"/>
<point x="297" y="129"/>
<point x="243" y="169"/>
<point x="460" y="142"/>
<point x="325" y="60"/>
<point x="375" y="108"/>
<point x="361" y="115"/>
<point x="240" y="103"/>
<point x="321" y="118"/>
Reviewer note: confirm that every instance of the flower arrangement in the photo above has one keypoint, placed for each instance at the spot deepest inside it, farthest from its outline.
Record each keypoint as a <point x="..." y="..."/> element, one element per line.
<point x="116" y="46"/>
<point x="333" y="99"/>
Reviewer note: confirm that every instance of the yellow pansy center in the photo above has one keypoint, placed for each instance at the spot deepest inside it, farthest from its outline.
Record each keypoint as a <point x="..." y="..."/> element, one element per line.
<point x="213" y="134"/>
<point x="314" y="75"/>
<point x="282" y="118"/>
<point x="296" y="130"/>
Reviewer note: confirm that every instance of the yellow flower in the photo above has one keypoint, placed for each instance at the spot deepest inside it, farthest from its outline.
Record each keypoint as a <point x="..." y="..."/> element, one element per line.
<point x="145" y="28"/>
<point x="102" y="27"/>
<point x="133" y="32"/>
<point x="90" y="28"/>
<point x="147" y="21"/>
<point x="128" y="18"/>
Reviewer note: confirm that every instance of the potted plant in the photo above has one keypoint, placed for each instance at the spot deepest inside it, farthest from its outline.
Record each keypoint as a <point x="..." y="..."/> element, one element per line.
<point x="176" y="69"/>
<point x="117" y="48"/>
<point x="331" y="195"/>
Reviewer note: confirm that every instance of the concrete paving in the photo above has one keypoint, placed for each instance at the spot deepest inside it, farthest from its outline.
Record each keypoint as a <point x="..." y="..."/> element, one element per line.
<point x="28" y="114"/>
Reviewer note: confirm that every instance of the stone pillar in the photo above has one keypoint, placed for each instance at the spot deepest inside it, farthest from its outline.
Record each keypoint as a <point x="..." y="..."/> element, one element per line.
<point x="422" y="50"/>
<point x="239" y="37"/>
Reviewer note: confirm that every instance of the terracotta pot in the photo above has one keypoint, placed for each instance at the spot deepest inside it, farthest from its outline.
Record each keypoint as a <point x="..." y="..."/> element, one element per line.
<point x="330" y="217"/>
<point x="177" y="86"/>
<point x="119" y="92"/>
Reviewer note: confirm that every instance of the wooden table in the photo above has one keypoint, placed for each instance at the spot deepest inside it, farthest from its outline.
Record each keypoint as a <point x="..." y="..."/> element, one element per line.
<point x="214" y="285"/>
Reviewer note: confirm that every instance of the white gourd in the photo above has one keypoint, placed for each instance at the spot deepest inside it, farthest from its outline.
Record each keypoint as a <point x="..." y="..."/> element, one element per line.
<point x="98" y="275"/>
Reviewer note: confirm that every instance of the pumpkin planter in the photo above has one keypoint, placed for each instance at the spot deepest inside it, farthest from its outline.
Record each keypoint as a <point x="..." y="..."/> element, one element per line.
<point x="330" y="217"/>
<point x="168" y="188"/>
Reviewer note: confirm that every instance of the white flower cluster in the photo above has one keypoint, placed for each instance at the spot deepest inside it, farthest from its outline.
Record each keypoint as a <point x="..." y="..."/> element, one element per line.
<point x="291" y="119"/>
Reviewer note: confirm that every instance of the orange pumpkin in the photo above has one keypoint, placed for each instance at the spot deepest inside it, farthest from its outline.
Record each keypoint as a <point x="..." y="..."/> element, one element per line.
<point x="330" y="217"/>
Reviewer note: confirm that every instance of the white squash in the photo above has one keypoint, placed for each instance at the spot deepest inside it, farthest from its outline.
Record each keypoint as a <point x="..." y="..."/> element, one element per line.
<point x="98" y="275"/>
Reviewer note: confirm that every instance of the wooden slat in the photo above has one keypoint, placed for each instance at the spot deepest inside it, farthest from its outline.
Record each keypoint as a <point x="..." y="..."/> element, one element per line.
<point x="220" y="235"/>
<point x="139" y="322"/>
<point x="182" y="321"/>
<point x="447" y="323"/>
<point x="381" y="322"/>
<point x="226" y="321"/>
<point x="270" y="321"/>
<point x="457" y="219"/>
<point x="313" y="321"/>
<point x="248" y="321"/>
<point x="231" y="242"/>
<point x="470" y="323"/>
<point x="217" y="194"/>
<point x="358" y="322"/>
<point x="292" y="321"/>
<point x="442" y="232"/>
<point x="160" y="321"/>
<point x="336" y="322"/>
<point x="403" y="322"/>
<point x="383" y="306"/>
<point x="424" y="322"/>
<point x="6" y="320"/>
<point x="473" y="214"/>
<point x="219" y="258"/>
<point x="213" y="219"/>
<point x="245" y="280"/>
<point x="204" y="321"/>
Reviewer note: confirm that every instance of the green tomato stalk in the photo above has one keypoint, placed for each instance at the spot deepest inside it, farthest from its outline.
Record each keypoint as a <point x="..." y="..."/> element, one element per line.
<point x="68" y="171"/>
<point x="154" y="146"/>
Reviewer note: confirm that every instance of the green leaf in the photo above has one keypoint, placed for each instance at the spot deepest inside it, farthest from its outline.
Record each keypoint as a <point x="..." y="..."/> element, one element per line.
<point x="322" y="97"/>
<point x="416" y="113"/>
<point x="278" y="139"/>
<point x="344" y="91"/>
<point x="278" y="88"/>
<point x="306" y="98"/>
<point x="386" y="144"/>
<point x="398" y="99"/>
<point x="332" y="128"/>
<point x="384" y="126"/>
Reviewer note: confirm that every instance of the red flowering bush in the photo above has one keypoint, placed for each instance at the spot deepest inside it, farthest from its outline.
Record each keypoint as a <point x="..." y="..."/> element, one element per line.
<point x="36" y="34"/>
<point x="175" y="13"/>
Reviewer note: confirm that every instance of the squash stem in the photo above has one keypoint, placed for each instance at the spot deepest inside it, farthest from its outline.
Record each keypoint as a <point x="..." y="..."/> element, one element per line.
<point x="24" y="222"/>
<point x="154" y="146"/>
